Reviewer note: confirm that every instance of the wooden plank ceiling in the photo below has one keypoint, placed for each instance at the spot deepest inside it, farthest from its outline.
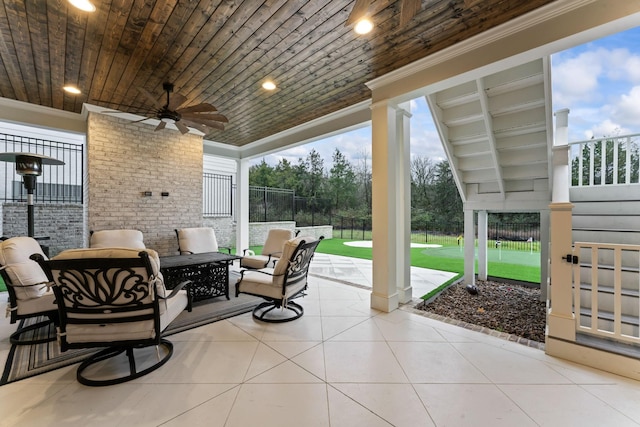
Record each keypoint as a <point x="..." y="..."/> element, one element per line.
<point x="219" y="51"/>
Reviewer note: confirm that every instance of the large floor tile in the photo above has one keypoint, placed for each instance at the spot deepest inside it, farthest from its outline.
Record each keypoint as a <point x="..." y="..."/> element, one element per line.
<point x="361" y="362"/>
<point x="398" y="404"/>
<point x="507" y="367"/>
<point x="280" y="405"/>
<point x="425" y="362"/>
<point x="471" y="405"/>
<point x="565" y="405"/>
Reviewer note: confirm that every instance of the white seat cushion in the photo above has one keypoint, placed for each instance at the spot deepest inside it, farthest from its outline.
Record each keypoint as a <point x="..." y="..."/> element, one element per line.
<point x="197" y="240"/>
<point x="117" y="239"/>
<point x="22" y="271"/>
<point x="45" y="302"/>
<point x="256" y="261"/>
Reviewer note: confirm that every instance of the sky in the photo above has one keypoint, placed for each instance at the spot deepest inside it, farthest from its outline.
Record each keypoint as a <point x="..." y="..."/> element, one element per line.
<point x="599" y="82"/>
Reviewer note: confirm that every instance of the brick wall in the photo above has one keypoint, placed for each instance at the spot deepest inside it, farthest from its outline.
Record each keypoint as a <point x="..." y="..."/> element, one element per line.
<point x="225" y="229"/>
<point x="126" y="159"/>
<point x="62" y="223"/>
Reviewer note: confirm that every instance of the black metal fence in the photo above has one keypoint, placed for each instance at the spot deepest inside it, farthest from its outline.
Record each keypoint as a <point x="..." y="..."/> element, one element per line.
<point x="268" y="204"/>
<point x="57" y="184"/>
<point x="217" y="195"/>
<point x="517" y="236"/>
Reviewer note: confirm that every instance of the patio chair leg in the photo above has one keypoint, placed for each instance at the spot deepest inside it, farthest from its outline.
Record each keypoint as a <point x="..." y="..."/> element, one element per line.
<point x="111" y="352"/>
<point x="16" y="339"/>
<point x="260" y="314"/>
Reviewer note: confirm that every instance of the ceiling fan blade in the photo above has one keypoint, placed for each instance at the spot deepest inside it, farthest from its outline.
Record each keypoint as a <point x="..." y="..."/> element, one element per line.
<point x="408" y="10"/>
<point x="161" y="125"/>
<point x="175" y="101"/>
<point x="206" y="124"/>
<point x="358" y="11"/>
<point x="204" y="116"/>
<point x="198" y="108"/>
<point x="182" y="128"/>
<point x="151" y="98"/>
<point x="198" y="127"/>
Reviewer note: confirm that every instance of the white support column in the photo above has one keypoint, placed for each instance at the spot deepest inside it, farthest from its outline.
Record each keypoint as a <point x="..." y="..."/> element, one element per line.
<point x="469" y="247"/>
<point x="242" y="205"/>
<point x="403" y="140"/>
<point x="544" y="254"/>
<point x="482" y="245"/>
<point x="561" y="321"/>
<point x="385" y="222"/>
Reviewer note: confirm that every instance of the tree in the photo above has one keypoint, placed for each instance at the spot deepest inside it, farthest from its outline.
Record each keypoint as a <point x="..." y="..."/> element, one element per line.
<point x="446" y="204"/>
<point x="363" y="178"/>
<point x="342" y="183"/>
<point x="422" y="177"/>
<point x="261" y="175"/>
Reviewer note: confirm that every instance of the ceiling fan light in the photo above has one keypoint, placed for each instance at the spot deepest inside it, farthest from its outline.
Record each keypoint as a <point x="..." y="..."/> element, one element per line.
<point x="84" y="5"/>
<point x="168" y="120"/>
<point x="268" y="85"/>
<point x="363" y="26"/>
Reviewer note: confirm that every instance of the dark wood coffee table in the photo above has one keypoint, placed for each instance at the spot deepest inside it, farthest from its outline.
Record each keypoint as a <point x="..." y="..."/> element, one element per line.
<point x="208" y="272"/>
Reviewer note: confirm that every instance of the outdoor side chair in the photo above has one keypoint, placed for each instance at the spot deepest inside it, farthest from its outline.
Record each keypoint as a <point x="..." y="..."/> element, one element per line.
<point x="280" y="285"/>
<point x="197" y="240"/>
<point x="271" y="251"/>
<point x="115" y="299"/>
<point x="27" y="286"/>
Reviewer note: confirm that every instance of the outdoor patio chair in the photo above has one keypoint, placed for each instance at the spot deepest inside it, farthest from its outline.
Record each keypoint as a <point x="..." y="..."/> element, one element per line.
<point x="30" y="296"/>
<point x="281" y="284"/>
<point x="114" y="298"/>
<point x="271" y="251"/>
<point x="197" y="240"/>
<point x="117" y="239"/>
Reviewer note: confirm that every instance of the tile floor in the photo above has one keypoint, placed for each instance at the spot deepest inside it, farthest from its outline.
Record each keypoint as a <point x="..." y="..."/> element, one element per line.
<point x="341" y="364"/>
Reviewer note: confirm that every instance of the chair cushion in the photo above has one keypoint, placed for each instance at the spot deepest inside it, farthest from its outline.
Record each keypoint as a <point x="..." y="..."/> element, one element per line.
<point x="170" y="308"/>
<point x="256" y="283"/>
<point x="117" y="239"/>
<point x="276" y="239"/>
<point x="22" y="271"/>
<point x="255" y="261"/>
<point x="197" y="240"/>
<point x="44" y="303"/>
<point x="283" y="263"/>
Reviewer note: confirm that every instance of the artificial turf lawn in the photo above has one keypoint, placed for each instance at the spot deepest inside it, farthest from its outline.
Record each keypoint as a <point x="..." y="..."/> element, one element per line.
<point x="505" y="263"/>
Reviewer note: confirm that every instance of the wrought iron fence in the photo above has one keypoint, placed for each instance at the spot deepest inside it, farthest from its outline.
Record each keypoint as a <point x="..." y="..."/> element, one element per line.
<point x="58" y="184"/>
<point x="268" y="204"/>
<point x="217" y="195"/>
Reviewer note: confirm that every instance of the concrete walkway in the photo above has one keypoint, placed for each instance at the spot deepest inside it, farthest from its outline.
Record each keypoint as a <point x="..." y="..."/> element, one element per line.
<point x="359" y="272"/>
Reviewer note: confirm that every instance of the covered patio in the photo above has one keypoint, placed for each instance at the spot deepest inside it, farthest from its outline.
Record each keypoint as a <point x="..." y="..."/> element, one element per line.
<point x="341" y="364"/>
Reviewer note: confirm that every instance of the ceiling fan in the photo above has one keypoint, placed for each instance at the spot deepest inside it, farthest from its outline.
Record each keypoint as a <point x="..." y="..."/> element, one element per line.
<point x="202" y="117"/>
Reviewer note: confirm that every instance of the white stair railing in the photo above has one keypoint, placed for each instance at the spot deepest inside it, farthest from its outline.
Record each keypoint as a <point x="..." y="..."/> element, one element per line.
<point x="606" y="284"/>
<point x="605" y="161"/>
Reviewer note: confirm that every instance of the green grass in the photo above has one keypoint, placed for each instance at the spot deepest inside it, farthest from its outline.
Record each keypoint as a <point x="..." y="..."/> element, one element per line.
<point x="505" y="263"/>
<point x="3" y="287"/>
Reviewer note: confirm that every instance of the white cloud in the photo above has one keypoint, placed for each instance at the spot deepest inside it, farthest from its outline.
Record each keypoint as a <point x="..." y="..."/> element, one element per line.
<point x="627" y="108"/>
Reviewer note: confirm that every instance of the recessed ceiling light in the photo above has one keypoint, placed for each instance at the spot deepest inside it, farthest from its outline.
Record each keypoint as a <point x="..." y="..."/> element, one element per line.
<point x="268" y="85"/>
<point x="72" y="89"/>
<point x="363" y="26"/>
<point x="85" y="5"/>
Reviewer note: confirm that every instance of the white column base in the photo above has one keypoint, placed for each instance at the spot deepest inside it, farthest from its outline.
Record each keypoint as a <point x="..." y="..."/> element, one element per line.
<point x="385" y="303"/>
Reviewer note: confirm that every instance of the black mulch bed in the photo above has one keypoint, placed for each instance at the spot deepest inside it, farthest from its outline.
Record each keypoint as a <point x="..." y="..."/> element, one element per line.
<point x="507" y="308"/>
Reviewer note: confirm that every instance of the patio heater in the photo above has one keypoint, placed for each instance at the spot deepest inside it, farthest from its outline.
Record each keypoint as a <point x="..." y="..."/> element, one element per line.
<point x="29" y="166"/>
